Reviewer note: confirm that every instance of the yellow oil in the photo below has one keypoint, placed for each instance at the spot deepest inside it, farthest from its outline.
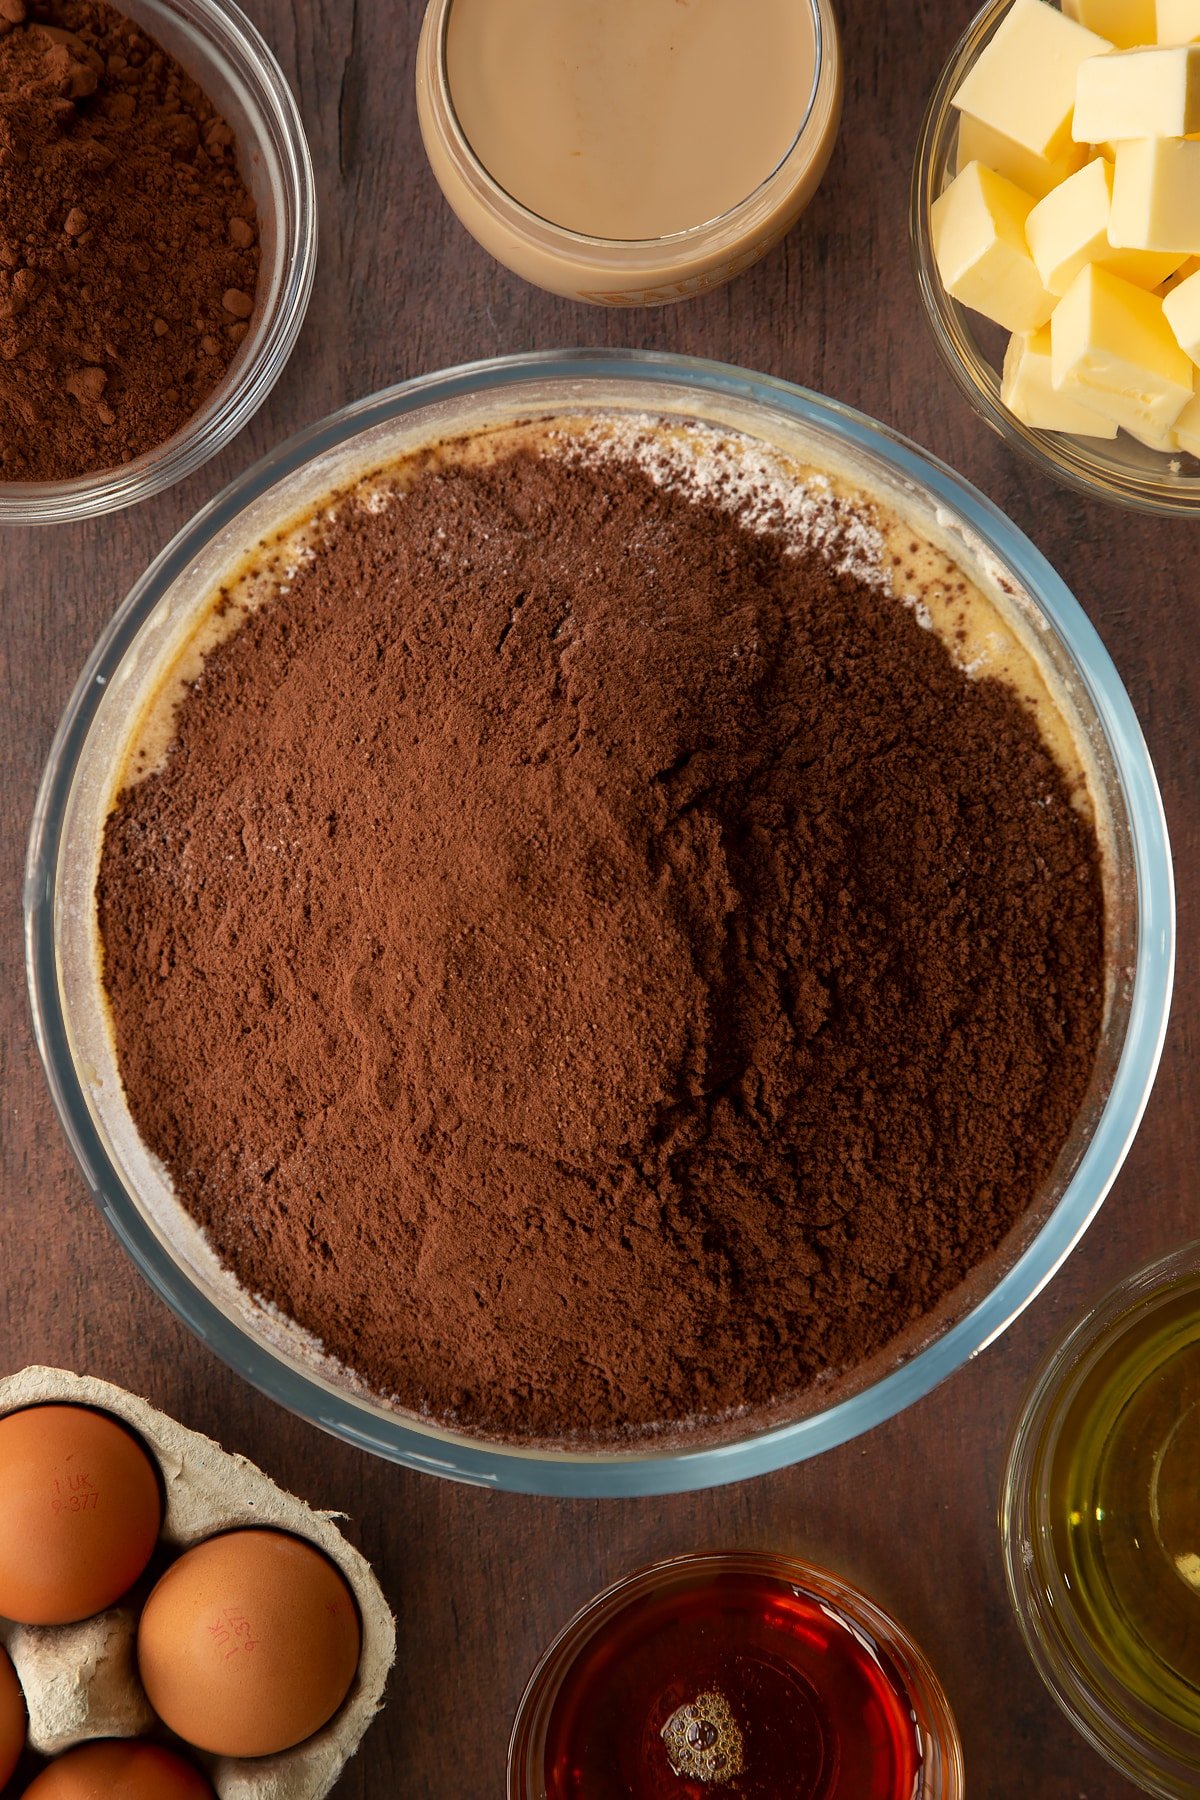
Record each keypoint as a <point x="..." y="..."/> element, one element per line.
<point x="1125" y="1505"/>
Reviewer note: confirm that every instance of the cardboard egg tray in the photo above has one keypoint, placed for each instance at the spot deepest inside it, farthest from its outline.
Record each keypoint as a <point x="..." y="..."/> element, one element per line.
<point x="80" y="1681"/>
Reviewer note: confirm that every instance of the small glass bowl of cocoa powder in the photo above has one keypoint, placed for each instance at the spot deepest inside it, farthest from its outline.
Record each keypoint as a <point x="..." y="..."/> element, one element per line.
<point x="214" y="220"/>
<point x="649" y="406"/>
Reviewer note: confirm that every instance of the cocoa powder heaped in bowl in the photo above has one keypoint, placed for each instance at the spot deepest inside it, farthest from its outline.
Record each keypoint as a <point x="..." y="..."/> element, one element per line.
<point x="594" y="964"/>
<point x="128" y="242"/>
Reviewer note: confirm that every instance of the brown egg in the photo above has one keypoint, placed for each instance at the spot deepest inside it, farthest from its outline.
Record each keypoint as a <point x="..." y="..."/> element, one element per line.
<point x="80" y="1512"/>
<point x="125" y="1770"/>
<point x="12" y="1718"/>
<point x="249" y="1643"/>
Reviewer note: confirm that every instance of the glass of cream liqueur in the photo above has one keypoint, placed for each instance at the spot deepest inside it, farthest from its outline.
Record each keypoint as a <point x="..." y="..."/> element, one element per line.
<point x="734" y="1674"/>
<point x="628" y="152"/>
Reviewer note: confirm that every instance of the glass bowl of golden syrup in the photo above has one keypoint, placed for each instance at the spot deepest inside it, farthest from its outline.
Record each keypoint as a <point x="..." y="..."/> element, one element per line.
<point x="728" y="1675"/>
<point x="1100" y="1520"/>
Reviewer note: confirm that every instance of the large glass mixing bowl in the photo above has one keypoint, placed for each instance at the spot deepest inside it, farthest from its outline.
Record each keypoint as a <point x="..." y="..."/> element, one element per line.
<point x="68" y="1002"/>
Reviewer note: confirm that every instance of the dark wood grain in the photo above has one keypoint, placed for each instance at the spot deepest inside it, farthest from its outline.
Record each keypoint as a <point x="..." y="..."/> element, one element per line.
<point x="481" y="1581"/>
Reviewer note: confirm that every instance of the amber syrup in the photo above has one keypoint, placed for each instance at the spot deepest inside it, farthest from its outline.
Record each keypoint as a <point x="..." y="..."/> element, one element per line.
<point x="735" y="1683"/>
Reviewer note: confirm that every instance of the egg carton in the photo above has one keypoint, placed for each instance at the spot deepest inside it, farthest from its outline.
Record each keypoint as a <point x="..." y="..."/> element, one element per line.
<point x="80" y="1681"/>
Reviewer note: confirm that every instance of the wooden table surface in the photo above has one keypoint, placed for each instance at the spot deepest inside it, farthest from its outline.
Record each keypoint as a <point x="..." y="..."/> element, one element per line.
<point x="480" y="1581"/>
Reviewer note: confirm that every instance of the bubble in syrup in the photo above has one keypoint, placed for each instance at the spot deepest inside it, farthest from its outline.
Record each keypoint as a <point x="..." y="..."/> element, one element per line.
<point x="704" y="1740"/>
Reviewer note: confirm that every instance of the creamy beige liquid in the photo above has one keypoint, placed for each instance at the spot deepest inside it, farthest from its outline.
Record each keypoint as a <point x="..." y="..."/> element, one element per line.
<point x="631" y="118"/>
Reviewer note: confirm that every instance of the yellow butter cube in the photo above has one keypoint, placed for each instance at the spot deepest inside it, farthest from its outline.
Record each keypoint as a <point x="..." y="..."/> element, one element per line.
<point x="1112" y="350"/>
<point x="982" y="257"/>
<point x="1138" y="94"/>
<point x="1182" y="309"/>
<point x="1187" y="428"/>
<point x="1023" y="81"/>
<point x="1070" y="228"/>
<point x="1156" y="196"/>
<point x="1155" y="439"/>
<point x="1186" y="269"/>
<point x="1124" y="23"/>
<point x="1178" y="21"/>
<point x="1026" y="388"/>
<point x="978" y="142"/>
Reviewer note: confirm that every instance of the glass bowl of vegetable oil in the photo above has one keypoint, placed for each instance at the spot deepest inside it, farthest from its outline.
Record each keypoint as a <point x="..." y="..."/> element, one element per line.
<point x="1100" y="1521"/>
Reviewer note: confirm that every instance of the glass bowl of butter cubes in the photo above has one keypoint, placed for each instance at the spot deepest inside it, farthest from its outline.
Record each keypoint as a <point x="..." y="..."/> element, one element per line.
<point x="1056" y="237"/>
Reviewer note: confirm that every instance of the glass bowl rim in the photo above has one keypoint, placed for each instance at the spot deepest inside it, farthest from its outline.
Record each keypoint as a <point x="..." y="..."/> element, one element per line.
<point x="233" y="39"/>
<point x="817" y="1582"/>
<point x="1067" y="459"/>
<point x="1084" y="1687"/>
<point x="512" y="1467"/>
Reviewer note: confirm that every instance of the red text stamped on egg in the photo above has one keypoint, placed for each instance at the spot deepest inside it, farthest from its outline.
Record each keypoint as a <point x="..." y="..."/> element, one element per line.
<point x="77" y="1493"/>
<point x="232" y="1633"/>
